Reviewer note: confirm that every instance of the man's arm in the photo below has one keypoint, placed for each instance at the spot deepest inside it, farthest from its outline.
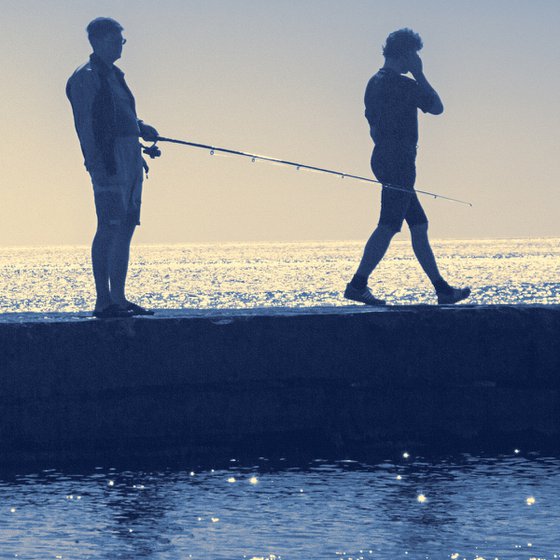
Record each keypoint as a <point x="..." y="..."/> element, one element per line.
<point x="81" y="91"/>
<point x="416" y="69"/>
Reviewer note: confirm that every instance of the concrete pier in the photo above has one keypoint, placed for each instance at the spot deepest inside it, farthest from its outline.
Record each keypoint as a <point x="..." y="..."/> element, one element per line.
<point x="184" y="385"/>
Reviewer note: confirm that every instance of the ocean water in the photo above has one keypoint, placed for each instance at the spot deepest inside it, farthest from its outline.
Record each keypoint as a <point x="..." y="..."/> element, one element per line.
<point x="463" y="507"/>
<point x="202" y="276"/>
<point x="473" y="507"/>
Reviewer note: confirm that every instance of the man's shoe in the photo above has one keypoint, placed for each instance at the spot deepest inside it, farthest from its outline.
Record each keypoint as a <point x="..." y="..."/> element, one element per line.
<point x="362" y="296"/>
<point x="112" y="311"/>
<point x="138" y="309"/>
<point x="456" y="294"/>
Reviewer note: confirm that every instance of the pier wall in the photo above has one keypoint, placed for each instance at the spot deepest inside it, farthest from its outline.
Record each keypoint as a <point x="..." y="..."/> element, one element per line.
<point x="342" y="381"/>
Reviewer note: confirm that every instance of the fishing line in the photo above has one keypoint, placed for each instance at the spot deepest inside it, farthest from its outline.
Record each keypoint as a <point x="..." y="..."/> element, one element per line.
<point x="153" y="151"/>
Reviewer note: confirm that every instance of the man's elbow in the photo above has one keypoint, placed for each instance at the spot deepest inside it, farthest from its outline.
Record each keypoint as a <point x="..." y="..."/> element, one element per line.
<point x="437" y="108"/>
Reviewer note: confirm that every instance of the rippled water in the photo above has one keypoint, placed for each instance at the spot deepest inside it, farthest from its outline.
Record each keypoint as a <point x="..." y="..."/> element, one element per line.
<point x="58" y="279"/>
<point x="460" y="507"/>
<point x="471" y="507"/>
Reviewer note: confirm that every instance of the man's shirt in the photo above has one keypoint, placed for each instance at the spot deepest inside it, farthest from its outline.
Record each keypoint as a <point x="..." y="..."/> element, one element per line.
<point x="103" y="108"/>
<point x="392" y="102"/>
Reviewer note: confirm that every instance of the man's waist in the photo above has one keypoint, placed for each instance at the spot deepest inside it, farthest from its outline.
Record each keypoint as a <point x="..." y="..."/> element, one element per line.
<point x="396" y="148"/>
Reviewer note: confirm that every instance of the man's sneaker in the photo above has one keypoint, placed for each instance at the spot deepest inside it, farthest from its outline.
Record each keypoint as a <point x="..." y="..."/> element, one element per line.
<point x="363" y="296"/>
<point x="456" y="294"/>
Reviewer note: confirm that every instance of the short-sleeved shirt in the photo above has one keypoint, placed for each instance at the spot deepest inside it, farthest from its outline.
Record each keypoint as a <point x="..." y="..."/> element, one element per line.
<point x="118" y="193"/>
<point x="82" y="88"/>
<point x="392" y="102"/>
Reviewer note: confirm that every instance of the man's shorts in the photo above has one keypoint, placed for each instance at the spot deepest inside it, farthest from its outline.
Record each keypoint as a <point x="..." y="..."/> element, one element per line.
<point x="111" y="210"/>
<point x="398" y="170"/>
<point x="118" y="197"/>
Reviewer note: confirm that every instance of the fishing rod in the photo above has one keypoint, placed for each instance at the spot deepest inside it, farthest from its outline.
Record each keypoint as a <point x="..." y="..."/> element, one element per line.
<point x="153" y="151"/>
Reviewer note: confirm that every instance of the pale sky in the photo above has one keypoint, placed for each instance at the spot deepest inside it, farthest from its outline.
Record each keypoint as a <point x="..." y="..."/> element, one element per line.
<point x="286" y="79"/>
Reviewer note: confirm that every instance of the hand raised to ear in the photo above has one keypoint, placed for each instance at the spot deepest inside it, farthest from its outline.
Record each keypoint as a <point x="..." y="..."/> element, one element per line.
<point x="415" y="65"/>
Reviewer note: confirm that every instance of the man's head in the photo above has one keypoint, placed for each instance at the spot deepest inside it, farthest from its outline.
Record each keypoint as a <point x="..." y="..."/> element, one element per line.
<point x="105" y="36"/>
<point x="400" y="46"/>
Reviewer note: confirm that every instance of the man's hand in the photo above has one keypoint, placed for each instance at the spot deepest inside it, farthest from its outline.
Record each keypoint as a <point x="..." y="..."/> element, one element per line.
<point x="147" y="132"/>
<point x="415" y="66"/>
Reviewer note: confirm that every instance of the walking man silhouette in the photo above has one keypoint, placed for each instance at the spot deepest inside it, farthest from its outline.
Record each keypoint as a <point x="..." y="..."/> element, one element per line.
<point x="392" y="102"/>
<point x="109" y="130"/>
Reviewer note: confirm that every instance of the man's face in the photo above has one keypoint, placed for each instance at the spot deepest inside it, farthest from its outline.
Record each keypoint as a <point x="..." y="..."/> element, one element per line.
<point x="109" y="46"/>
<point x="404" y="60"/>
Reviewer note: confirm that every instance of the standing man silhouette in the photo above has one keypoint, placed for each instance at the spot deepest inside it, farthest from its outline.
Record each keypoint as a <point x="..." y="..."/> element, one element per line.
<point x="108" y="130"/>
<point x="392" y="102"/>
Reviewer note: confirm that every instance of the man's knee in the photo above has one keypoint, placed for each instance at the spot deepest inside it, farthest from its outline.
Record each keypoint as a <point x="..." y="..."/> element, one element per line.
<point x="390" y="225"/>
<point x="110" y="233"/>
<point x="115" y="227"/>
<point x="105" y="230"/>
<point x="388" y="230"/>
<point x="127" y="230"/>
<point x="418" y="230"/>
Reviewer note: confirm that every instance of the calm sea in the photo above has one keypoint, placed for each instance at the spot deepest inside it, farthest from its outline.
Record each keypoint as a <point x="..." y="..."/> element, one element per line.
<point x="463" y="507"/>
<point x="58" y="279"/>
<point x="475" y="506"/>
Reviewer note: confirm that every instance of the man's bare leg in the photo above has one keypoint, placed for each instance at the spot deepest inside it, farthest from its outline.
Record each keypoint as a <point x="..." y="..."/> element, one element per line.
<point x="100" y="250"/>
<point x="375" y="250"/>
<point x="118" y="262"/>
<point x="423" y="251"/>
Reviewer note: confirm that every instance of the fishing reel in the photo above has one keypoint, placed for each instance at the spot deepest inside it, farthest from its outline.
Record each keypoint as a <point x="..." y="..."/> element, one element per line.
<point x="153" y="151"/>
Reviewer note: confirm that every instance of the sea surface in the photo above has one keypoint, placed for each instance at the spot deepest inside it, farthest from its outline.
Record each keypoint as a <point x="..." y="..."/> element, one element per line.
<point x="306" y="274"/>
<point x="475" y="506"/>
<point x="463" y="507"/>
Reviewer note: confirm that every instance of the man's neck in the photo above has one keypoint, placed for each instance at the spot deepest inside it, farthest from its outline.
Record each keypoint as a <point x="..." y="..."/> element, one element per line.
<point x="392" y="64"/>
<point x="107" y="62"/>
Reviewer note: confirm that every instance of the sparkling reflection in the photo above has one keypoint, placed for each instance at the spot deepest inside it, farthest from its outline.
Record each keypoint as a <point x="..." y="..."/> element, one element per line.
<point x="470" y="507"/>
<point x="230" y="275"/>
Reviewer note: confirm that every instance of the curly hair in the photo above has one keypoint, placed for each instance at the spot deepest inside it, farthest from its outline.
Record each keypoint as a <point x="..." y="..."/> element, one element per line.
<point x="101" y="26"/>
<point x="400" y="42"/>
